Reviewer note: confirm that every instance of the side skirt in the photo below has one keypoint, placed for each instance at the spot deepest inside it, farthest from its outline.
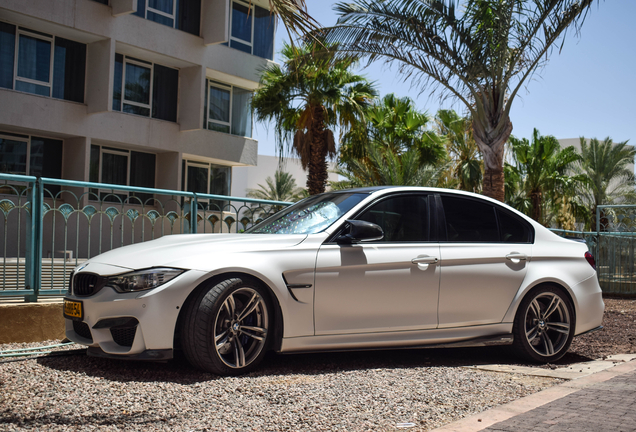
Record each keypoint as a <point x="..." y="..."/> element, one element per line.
<point x="475" y="336"/>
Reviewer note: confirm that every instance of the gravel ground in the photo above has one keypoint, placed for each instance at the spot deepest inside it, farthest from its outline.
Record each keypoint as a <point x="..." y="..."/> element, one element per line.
<point x="322" y="392"/>
<point x="338" y="391"/>
<point x="618" y="335"/>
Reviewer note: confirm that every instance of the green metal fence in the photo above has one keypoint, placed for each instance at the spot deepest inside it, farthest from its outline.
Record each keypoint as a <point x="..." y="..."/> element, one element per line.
<point x="616" y="230"/>
<point x="612" y="245"/>
<point x="49" y="226"/>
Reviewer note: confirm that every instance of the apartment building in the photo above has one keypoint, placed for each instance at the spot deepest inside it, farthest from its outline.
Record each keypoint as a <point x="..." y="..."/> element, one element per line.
<point x="151" y="93"/>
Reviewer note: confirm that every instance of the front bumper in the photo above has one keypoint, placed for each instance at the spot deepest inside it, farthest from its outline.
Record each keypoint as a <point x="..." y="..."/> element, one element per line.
<point x="132" y="325"/>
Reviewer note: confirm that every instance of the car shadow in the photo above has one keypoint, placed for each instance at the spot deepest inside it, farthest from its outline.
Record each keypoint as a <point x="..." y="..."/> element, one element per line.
<point x="401" y="358"/>
<point x="177" y="370"/>
<point x="180" y="371"/>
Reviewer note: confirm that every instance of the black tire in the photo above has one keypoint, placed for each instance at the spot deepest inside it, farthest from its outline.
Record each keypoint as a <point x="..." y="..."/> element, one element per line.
<point x="227" y="327"/>
<point x="544" y="325"/>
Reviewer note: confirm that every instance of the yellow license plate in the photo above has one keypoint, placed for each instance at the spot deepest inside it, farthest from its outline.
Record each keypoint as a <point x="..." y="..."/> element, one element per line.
<point x="73" y="309"/>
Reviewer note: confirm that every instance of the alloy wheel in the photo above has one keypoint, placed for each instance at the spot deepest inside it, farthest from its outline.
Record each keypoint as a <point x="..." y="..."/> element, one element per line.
<point x="547" y="324"/>
<point x="240" y="328"/>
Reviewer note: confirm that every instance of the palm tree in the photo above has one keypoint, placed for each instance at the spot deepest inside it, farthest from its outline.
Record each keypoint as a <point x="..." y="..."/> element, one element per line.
<point x="608" y="168"/>
<point x="383" y="166"/>
<point x="466" y="164"/>
<point x="542" y="174"/>
<point x="480" y="55"/>
<point x="394" y="124"/>
<point x="308" y="95"/>
<point x="281" y="188"/>
<point x="293" y="14"/>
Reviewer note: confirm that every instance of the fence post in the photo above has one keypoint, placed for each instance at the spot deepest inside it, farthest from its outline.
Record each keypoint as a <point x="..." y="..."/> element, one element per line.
<point x="194" y="214"/>
<point x="34" y="242"/>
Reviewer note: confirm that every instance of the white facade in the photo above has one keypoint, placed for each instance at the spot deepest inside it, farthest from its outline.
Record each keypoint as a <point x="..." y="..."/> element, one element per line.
<point x="193" y="70"/>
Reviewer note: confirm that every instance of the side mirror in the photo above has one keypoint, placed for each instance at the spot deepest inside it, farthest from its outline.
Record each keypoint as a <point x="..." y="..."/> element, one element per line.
<point x="360" y="231"/>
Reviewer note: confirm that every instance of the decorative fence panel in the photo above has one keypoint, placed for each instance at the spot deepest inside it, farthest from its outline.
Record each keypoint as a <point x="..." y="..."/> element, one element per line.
<point x="616" y="229"/>
<point x="74" y="221"/>
<point x="613" y="246"/>
<point x="15" y="217"/>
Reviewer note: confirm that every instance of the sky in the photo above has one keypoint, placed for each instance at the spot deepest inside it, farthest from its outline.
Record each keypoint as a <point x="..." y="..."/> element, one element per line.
<point x="589" y="89"/>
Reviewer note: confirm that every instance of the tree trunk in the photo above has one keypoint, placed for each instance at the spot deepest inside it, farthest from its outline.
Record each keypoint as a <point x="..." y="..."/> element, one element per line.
<point x="536" y="198"/>
<point x="317" y="176"/>
<point x="494" y="186"/>
<point x="491" y="142"/>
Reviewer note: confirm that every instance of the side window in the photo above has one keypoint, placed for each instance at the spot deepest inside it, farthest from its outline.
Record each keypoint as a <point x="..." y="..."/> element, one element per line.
<point x="469" y="220"/>
<point x="512" y="229"/>
<point x="402" y="218"/>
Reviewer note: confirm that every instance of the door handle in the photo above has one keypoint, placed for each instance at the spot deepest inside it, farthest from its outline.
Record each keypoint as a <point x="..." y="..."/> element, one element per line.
<point x="425" y="260"/>
<point x="512" y="256"/>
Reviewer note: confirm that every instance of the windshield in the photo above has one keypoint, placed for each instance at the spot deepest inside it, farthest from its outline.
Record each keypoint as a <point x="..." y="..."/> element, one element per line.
<point x="310" y="215"/>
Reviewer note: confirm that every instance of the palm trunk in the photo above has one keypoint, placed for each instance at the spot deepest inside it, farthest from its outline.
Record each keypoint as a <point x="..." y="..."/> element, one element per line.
<point x="317" y="176"/>
<point x="491" y="142"/>
<point x="494" y="182"/>
<point x="536" y="199"/>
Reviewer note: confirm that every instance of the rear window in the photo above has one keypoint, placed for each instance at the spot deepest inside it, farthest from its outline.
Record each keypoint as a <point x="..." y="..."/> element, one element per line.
<point x="513" y="230"/>
<point x="473" y="221"/>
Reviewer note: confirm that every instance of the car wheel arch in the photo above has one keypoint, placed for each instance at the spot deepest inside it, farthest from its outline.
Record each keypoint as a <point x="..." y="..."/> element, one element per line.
<point x="219" y="277"/>
<point x="527" y="290"/>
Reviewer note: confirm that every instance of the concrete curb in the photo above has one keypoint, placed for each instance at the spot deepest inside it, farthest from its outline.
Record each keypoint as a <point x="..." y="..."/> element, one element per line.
<point x="31" y="322"/>
<point x="490" y="417"/>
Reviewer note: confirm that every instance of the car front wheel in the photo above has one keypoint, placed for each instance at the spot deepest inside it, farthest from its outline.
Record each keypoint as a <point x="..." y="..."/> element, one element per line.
<point x="226" y="328"/>
<point x="544" y="325"/>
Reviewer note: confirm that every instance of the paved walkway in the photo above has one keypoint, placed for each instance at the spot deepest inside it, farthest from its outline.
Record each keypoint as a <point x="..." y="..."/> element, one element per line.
<point x="602" y="401"/>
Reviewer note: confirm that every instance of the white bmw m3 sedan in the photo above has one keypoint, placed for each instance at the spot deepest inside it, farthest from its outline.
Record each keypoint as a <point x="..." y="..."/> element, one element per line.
<point x="385" y="267"/>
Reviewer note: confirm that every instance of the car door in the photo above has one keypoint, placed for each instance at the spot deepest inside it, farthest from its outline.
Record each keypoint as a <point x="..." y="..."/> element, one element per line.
<point x="484" y="260"/>
<point x="386" y="285"/>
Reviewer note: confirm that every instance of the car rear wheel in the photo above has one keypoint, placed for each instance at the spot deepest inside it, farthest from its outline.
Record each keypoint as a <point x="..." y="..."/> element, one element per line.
<point x="544" y="325"/>
<point x="226" y="327"/>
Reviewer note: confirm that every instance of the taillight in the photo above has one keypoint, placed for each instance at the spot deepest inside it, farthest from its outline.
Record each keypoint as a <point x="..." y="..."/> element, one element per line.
<point x="590" y="259"/>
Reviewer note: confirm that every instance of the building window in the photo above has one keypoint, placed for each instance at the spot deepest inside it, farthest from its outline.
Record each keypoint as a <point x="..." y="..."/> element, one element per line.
<point x="13" y="155"/>
<point x="30" y="155"/>
<point x="145" y="89"/>
<point x="122" y="167"/>
<point x="252" y="31"/>
<point x="42" y="64"/>
<point x="227" y="109"/>
<point x="180" y="14"/>
<point x="206" y="178"/>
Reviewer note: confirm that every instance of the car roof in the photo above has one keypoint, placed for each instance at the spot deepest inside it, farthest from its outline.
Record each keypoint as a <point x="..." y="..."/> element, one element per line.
<point x="369" y="189"/>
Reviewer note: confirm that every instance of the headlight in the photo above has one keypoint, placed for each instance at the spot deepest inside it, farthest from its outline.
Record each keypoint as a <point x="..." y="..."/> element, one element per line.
<point x="141" y="280"/>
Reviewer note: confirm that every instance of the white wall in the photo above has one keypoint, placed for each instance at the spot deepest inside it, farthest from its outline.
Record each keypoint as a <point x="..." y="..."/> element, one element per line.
<point x="250" y="177"/>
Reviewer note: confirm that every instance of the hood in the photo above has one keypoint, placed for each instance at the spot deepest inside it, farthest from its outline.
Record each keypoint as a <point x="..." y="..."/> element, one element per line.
<point x="186" y="250"/>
